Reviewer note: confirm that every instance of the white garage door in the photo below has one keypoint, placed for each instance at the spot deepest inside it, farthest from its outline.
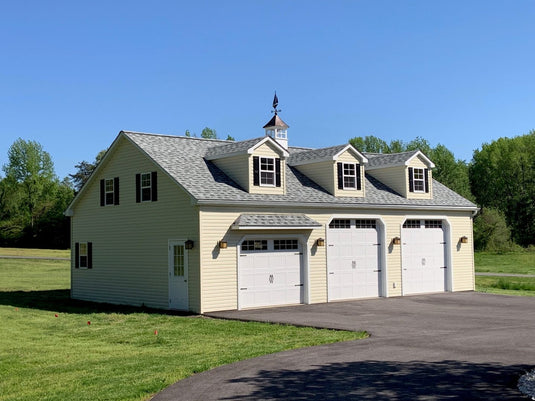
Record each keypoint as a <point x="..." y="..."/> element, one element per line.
<point x="353" y="259"/>
<point x="423" y="256"/>
<point x="270" y="273"/>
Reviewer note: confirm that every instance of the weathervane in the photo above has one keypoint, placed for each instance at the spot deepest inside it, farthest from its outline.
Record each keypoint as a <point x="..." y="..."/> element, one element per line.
<point x="275" y="104"/>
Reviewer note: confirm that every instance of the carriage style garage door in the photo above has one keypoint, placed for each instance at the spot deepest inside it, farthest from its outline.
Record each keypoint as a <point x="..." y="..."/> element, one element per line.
<point x="423" y="256"/>
<point x="353" y="259"/>
<point x="270" y="273"/>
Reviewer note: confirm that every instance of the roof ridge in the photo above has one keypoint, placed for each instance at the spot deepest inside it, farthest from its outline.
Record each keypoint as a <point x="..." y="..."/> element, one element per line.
<point x="225" y="141"/>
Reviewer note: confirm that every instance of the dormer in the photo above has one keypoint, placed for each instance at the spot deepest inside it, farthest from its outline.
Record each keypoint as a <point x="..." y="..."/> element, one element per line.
<point x="257" y="165"/>
<point x="276" y="128"/>
<point x="407" y="173"/>
<point x="338" y="169"/>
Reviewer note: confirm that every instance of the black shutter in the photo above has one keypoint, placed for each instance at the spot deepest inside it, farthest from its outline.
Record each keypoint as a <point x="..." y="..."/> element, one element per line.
<point x="138" y="188"/>
<point x="256" y="170"/>
<point x="278" y="172"/>
<point x="77" y="255"/>
<point x="89" y="255"/>
<point x="359" y="183"/>
<point x="340" y="176"/>
<point x="426" y="175"/>
<point x="411" y="183"/>
<point x="154" y="186"/>
<point x="102" y="192"/>
<point x="116" y="191"/>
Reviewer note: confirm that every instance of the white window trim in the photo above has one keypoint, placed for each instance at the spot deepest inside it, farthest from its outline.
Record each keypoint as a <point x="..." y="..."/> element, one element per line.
<point x="106" y="192"/>
<point x="415" y="180"/>
<point x="141" y="187"/>
<point x="260" y="171"/>
<point x="80" y="255"/>
<point x="344" y="175"/>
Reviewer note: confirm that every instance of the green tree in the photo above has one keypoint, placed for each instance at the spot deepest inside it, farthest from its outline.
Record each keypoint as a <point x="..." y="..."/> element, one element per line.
<point x="30" y="170"/>
<point x="230" y="138"/>
<point x="502" y="176"/>
<point x="491" y="232"/>
<point x="84" y="169"/>
<point x="209" y="133"/>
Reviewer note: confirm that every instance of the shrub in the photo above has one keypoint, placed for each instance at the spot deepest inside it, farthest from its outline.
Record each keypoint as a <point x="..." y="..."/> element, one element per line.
<point x="491" y="232"/>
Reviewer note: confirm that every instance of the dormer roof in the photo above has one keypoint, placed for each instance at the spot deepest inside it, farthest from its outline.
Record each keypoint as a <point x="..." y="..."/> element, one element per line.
<point x="324" y="154"/>
<point x="242" y="147"/>
<point x="385" y="160"/>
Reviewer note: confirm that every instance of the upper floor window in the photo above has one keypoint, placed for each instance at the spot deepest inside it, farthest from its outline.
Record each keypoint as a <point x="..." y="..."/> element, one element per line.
<point x="349" y="176"/>
<point x="418" y="179"/>
<point x="146" y="187"/>
<point x="266" y="171"/>
<point x="109" y="191"/>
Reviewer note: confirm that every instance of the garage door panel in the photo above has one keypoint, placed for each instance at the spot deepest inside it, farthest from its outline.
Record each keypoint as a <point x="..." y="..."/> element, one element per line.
<point x="423" y="257"/>
<point x="270" y="277"/>
<point x="353" y="261"/>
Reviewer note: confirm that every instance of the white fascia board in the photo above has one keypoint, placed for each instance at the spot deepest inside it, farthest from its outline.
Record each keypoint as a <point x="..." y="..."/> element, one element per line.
<point x="426" y="159"/>
<point x="451" y="208"/>
<point x="272" y="141"/>
<point x="352" y="149"/>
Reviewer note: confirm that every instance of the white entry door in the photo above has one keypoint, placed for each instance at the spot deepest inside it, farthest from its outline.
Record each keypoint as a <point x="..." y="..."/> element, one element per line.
<point x="270" y="273"/>
<point x="353" y="259"/>
<point x="423" y="256"/>
<point x="178" y="275"/>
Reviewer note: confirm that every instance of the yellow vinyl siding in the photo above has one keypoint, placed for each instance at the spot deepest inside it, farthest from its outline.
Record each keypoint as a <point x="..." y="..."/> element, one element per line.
<point x="219" y="266"/>
<point x="321" y="173"/>
<point x="267" y="150"/>
<point x="130" y="240"/>
<point x="394" y="177"/>
<point x="237" y="168"/>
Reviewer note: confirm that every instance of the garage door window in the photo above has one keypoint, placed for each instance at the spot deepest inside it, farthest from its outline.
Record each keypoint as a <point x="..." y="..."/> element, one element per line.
<point x="411" y="224"/>
<point x="433" y="224"/>
<point x="254" y="245"/>
<point x="365" y="223"/>
<point x="340" y="223"/>
<point x="285" y="244"/>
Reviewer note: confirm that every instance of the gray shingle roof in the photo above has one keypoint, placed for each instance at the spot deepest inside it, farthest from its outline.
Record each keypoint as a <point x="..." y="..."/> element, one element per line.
<point x="183" y="159"/>
<point x="388" y="159"/>
<point x="274" y="220"/>
<point x="309" y="156"/>
<point x="231" y="147"/>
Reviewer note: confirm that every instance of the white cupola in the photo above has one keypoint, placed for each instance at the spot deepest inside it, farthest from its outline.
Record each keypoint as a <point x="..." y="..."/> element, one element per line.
<point x="276" y="128"/>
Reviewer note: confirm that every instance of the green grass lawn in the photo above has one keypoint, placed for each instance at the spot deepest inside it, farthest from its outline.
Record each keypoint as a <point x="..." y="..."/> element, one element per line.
<point x="47" y="253"/>
<point x="511" y="262"/>
<point x="48" y="351"/>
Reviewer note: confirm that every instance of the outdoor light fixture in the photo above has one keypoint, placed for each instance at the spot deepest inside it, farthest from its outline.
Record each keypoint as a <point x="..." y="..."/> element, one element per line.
<point x="320" y="242"/>
<point x="189" y="244"/>
<point x="396" y="240"/>
<point x="464" y="239"/>
<point x="223" y="244"/>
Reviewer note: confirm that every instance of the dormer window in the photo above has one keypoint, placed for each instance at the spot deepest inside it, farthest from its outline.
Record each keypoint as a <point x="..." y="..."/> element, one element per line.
<point x="349" y="176"/>
<point x="418" y="179"/>
<point x="267" y="171"/>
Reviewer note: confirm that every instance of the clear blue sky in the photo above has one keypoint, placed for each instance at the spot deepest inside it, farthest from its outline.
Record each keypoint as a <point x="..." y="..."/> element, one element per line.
<point x="73" y="74"/>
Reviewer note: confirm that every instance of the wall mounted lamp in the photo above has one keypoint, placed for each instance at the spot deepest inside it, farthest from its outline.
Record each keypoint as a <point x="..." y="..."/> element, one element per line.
<point x="223" y="244"/>
<point x="396" y="241"/>
<point x="189" y="244"/>
<point x="320" y="242"/>
<point x="463" y="239"/>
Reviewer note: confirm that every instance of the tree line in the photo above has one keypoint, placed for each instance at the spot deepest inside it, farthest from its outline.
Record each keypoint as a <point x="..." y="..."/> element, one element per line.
<point x="500" y="179"/>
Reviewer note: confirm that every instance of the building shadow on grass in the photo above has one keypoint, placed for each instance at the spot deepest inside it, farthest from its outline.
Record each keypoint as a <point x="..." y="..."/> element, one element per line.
<point x="60" y="301"/>
<point x="380" y="380"/>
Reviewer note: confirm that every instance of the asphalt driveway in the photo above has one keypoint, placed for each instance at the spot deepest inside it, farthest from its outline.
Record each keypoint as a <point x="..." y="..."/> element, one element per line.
<point x="452" y="346"/>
